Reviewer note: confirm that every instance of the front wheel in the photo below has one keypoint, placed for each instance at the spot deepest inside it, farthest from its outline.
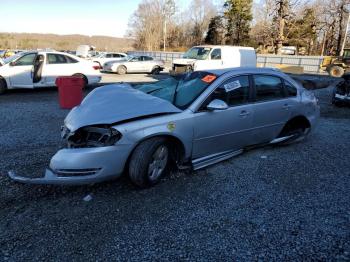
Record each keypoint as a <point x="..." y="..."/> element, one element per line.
<point x="149" y="162"/>
<point x="156" y="71"/>
<point x="336" y="71"/>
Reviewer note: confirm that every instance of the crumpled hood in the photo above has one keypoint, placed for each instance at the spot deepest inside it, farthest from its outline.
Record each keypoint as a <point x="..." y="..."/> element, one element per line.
<point x="113" y="103"/>
<point x="184" y="61"/>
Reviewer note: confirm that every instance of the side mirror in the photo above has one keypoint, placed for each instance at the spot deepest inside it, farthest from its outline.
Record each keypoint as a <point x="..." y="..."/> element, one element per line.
<point x="217" y="104"/>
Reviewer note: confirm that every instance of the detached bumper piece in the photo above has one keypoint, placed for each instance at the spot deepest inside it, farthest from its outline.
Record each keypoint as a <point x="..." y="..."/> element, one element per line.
<point x="61" y="177"/>
<point x="345" y="98"/>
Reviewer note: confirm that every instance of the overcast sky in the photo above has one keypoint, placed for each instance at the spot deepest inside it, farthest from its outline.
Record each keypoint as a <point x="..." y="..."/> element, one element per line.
<point x="87" y="17"/>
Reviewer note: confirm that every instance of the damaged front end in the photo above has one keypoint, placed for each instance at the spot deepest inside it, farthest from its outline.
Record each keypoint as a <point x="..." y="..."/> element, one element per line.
<point x="90" y="136"/>
<point x="87" y="155"/>
<point x="92" y="150"/>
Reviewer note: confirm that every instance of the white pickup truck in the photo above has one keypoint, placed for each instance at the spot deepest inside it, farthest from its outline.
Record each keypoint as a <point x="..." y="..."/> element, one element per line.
<point x="214" y="57"/>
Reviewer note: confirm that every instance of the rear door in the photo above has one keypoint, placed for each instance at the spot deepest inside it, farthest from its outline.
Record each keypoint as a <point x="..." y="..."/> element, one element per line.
<point x="147" y="63"/>
<point x="271" y="107"/>
<point x="21" y="71"/>
<point x="56" y="65"/>
<point x="225" y="130"/>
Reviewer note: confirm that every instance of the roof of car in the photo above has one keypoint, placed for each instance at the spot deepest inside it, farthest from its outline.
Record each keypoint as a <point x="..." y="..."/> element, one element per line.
<point x="225" y="46"/>
<point x="242" y="70"/>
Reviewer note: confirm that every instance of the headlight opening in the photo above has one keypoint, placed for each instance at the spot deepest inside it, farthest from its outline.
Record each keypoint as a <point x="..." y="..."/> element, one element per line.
<point x="93" y="137"/>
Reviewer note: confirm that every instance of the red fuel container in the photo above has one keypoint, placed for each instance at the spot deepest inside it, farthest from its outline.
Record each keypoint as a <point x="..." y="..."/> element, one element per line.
<point x="70" y="91"/>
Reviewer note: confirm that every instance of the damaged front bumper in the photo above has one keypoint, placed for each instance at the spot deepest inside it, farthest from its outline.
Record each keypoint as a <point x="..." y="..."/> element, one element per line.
<point x="81" y="166"/>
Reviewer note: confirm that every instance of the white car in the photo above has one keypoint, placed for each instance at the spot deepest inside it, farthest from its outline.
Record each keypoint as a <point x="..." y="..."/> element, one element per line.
<point x="135" y="64"/>
<point x="107" y="57"/>
<point x="34" y="69"/>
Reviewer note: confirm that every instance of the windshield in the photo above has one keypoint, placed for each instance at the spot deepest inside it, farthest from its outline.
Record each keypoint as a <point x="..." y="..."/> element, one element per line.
<point x="197" y="52"/>
<point x="14" y="57"/>
<point x="181" y="91"/>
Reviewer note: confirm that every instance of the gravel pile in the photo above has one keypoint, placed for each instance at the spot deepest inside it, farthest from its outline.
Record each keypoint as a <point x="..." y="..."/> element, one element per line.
<point x="274" y="203"/>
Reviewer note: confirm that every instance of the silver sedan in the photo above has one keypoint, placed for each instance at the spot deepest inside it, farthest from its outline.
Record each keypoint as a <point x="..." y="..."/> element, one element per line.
<point x="134" y="64"/>
<point x="191" y="121"/>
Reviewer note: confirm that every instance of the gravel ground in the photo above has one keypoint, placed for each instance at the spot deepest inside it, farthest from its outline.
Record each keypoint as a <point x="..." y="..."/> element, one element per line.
<point x="273" y="203"/>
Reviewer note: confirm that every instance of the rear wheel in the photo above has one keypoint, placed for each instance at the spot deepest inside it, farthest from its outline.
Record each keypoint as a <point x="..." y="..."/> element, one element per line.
<point x="149" y="162"/>
<point x="3" y="86"/>
<point x="156" y="71"/>
<point x="336" y="71"/>
<point x="86" y="82"/>
<point x="121" y="70"/>
<point x="294" y="131"/>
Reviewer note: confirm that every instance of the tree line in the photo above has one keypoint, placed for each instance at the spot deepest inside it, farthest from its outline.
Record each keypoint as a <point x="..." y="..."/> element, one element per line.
<point x="29" y="41"/>
<point x="314" y="27"/>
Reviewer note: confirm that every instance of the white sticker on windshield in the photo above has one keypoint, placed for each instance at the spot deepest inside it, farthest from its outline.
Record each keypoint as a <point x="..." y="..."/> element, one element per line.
<point x="232" y="85"/>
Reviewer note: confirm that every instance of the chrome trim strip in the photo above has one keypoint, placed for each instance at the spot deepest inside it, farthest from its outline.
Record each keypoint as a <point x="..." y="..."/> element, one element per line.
<point x="214" y="158"/>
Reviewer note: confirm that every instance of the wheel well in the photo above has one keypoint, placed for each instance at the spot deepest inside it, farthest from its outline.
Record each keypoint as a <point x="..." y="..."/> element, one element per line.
<point x="177" y="148"/>
<point x="83" y="76"/>
<point x="295" y="123"/>
<point x="3" y="79"/>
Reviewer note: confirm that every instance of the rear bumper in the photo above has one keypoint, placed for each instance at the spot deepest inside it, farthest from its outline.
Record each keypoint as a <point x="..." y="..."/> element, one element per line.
<point x="94" y="79"/>
<point x="82" y="166"/>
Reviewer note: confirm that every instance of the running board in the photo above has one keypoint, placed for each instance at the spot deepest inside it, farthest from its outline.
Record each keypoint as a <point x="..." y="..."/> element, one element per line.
<point x="214" y="158"/>
<point x="280" y="139"/>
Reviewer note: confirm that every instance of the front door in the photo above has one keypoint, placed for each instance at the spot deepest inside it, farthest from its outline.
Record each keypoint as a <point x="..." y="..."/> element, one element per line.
<point x="224" y="130"/>
<point x="21" y="71"/>
<point x="135" y="65"/>
<point x="215" y="61"/>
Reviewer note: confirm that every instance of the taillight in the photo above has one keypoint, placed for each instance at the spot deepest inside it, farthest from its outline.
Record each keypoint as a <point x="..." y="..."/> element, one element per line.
<point x="96" y="67"/>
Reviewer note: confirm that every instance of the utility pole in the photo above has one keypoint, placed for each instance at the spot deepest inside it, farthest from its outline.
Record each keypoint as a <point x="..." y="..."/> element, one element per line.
<point x="164" y="33"/>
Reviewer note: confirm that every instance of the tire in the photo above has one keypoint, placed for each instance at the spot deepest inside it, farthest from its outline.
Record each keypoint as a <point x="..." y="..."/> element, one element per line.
<point x="86" y="82"/>
<point x="155" y="70"/>
<point x="336" y="71"/>
<point x="121" y="70"/>
<point x="189" y="69"/>
<point x="3" y="86"/>
<point x="294" y="131"/>
<point x="149" y="162"/>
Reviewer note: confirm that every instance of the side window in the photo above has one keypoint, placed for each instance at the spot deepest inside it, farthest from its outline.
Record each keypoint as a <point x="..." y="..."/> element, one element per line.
<point x="268" y="87"/>
<point x="70" y="60"/>
<point x="234" y="91"/>
<point x="26" y="60"/>
<point x="216" y="54"/>
<point x="116" y="55"/>
<point x="56" y="59"/>
<point x="61" y="59"/>
<point x="148" y="58"/>
<point x="238" y="90"/>
<point x="109" y="56"/>
<point x="290" y="89"/>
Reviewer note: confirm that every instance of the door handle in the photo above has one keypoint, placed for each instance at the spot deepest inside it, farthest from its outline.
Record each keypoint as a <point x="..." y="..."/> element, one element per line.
<point x="244" y="113"/>
<point x="286" y="106"/>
